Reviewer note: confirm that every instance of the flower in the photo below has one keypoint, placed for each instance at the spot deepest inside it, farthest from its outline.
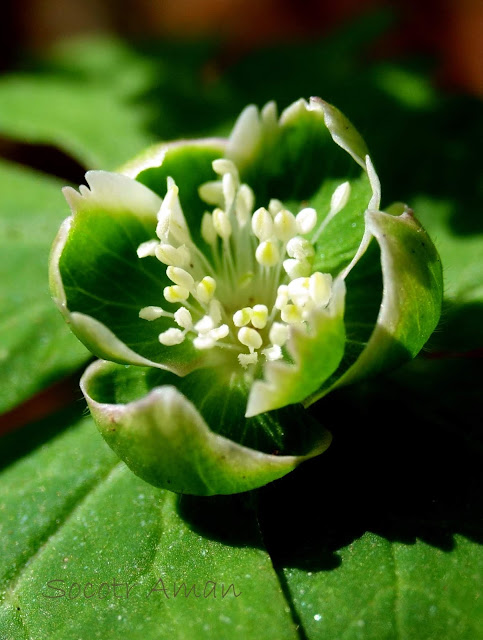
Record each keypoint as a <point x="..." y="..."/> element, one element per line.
<point x="228" y="284"/>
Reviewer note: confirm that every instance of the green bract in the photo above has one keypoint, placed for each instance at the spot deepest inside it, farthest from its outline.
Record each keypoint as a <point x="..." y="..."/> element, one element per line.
<point x="228" y="284"/>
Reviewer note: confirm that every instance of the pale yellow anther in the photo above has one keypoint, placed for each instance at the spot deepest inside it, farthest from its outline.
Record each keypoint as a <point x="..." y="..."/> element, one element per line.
<point x="262" y="224"/>
<point x="183" y="318"/>
<point x="221" y="166"/>
<point x="222" y="223"/>
<point x="205" y="325"/>
<point x="246" y="359"/>
<point x="205" y="289"/>
<point x="320" y="288"/>
<point x="291" y="314"/>
<point x="259" y="316"/>
<point x="296" y="268"/>
<point x="272" y="353"/>
<point x="274" y="206"/>
<point x="203" y="342"/>
<point x="267" y="253"/>
<point x="340" y="198"/>
<point x="174" y="256"/>
<point x="171" y="337"/>
<point x="208" y="231"/>
<point x="306" y="220"/>
<point x="176" y="293"/>
<point x="285" y="225"/>
<point x="148" y="248"/>
<point x="282" y="296"/>
<point x="152" y="313"/>
<point x="218" y="333"/>
<point x="180" y="276"/>
<point x="299" y="291"/>
<point x="300" y="248"/>
<point x="242" y="317"/>
<point x="229" y="190"/>
<point x="216" y="310"/>
<point x="250" y="338"/>
<point x="278" y="334"/>
<point x="211" y="192"/>
<point x="245" y="200"/>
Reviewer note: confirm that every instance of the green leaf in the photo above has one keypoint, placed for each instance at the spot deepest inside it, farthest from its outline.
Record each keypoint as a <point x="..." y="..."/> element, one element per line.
<point x="385" y="590"/>
<point x="36" y="346"/>
<point x="190" y="434"/>
<point x="88" y="121"/>
<point x="81" y="521"/>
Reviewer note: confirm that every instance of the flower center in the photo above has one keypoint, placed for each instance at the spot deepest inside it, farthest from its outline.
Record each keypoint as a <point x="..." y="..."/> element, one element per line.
<point x="259" y="282"/>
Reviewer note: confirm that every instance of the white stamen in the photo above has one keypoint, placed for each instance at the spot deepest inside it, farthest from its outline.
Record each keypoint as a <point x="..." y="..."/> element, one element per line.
<point x="205" y="289"/>
<point x="216" y="310"/>
<point x="203" y="342"/>
<point x="306" y="220"/>
<point x="259" y="316"/>
<point x="222" y="166"/>
<point x="274" y="206"/>
<point x="320" y="287"/>
<point x="285" y="225"/>
<point x="272" y="353"/>
<point x="300" y="248"/>
<point x="340" y="198"/>
<point x="181" y="277"/>
<point x="242" y="317"/>
<point x="208" y="231"/>
<point x="147" y="248"/>
<point x="171" y="337"/>
<point x="175" y="256"/>
<point x="296" y="268"/>
<point x="183" y="318"/>
<point x="291" y="314"/>
<point x="204" y="325"/>
<point x="278" y="334"/>
<point x="222" y="223"/>
<point x="299" y="291"/>
<point x="244" y="204"/>
<point x="246" y="359"/>
<point x="282" y="297"/>
<point x="211" y="192"/>
<point x="176" y="293"/>
<point x="250" y="338"/>
<point x="229" y="190"/>
<point x="152" y="313"/>
<point x="220" y="332"/>
<point x="267" y="254"/>
<point x="262" y="224"/>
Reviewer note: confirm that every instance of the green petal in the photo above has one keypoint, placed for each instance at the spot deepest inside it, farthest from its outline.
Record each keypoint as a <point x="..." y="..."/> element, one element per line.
<point x="100" y="284"/>
<point x="411" y="299"/>
<point x="316" y="354"/>
<point x="164" y="438"/>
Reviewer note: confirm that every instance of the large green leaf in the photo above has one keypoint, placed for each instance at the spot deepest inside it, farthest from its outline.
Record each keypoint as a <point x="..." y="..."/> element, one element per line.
<point x="36" y="346"/>
<point x="90" y="122"/>
<point x="73" y="519"/>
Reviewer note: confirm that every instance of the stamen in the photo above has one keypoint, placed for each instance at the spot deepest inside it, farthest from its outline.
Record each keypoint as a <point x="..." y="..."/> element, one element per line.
<point x="278" y="334"/>
<point x="267" y="254"/>
<point x="208" y="231"/>
<point x="300" y="248"/>
<point x="148" y="248"/>
<point x="296" y="268"/>
<point x="175" y="256"/>
<point x="259" y="316"/>
<point x="285" y="225"/>
<point x="183" y="318"/>
<point x="242" y="317"/>
<point x="181" y="277"/>
<point x="250" y="338"/>
<point x="291" y="314"/>
<point x="262" y="224"/>
<point x="171" y="337"/>
<point x="176" y="293"/>
<point x="246" y="359"/>
<point x="222" y="224"/>
<point x="272" y="353"/>
<point x="153" y="313"/>
<point x="306" y="220"/>
<point x="205" y="289"/>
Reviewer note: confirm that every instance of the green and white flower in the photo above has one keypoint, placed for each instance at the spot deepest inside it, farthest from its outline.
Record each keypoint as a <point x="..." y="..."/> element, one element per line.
<point x="228" y="284"/>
